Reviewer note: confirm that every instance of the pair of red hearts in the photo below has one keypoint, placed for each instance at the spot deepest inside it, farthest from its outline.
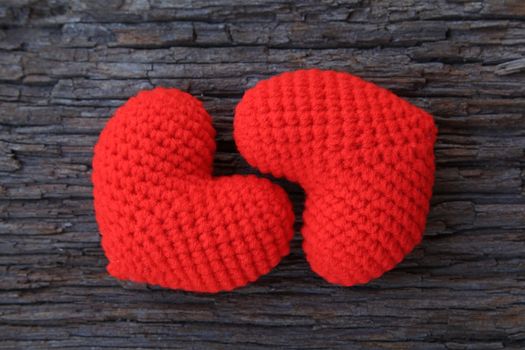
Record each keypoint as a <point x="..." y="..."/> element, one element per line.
<point x="363" y="156"/>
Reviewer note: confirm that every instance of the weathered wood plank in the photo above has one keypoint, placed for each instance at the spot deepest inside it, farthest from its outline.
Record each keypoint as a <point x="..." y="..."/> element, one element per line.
<point x="66" y="65"/>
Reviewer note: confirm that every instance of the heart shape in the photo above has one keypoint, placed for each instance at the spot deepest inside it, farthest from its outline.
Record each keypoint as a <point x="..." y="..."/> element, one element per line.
<point x="363" y="156"/>
<point x="163" y="217"/>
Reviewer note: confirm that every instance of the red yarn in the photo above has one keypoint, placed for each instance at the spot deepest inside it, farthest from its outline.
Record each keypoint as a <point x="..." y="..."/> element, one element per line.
<point x="363" y="156"/>
<point x="164" y="219"/>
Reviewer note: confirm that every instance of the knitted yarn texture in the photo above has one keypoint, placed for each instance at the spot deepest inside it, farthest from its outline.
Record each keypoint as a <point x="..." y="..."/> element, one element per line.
<point x="363" y="156"/>
<point x="164" y="219"/>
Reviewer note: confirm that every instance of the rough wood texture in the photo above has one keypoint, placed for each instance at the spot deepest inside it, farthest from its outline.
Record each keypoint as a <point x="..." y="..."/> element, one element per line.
<point x="65" y="66"/>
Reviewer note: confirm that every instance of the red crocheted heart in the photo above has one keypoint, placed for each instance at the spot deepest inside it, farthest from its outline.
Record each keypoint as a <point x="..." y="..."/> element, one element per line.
<point x="164" y="219"/>
<point x="363" y="156"/>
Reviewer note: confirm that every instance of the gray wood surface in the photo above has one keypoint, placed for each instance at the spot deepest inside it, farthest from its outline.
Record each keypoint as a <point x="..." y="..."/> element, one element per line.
<point x="66" y="65"/>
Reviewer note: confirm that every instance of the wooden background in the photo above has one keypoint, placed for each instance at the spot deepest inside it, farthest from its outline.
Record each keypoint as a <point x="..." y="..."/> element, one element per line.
<point x="66" y="65"/>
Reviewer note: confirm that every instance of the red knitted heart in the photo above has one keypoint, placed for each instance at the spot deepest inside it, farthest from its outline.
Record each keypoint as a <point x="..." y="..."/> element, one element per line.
<point x="164" y="219"/>
<point x="363" y="156"/>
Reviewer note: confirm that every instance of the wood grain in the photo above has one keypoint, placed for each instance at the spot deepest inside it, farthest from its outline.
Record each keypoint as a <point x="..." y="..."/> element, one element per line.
<point x="66" y="65"/>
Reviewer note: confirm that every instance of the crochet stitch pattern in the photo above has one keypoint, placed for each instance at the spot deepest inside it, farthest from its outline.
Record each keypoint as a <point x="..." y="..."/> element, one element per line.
<point x="164" y="219"/>
<point x="363" y="156"/>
